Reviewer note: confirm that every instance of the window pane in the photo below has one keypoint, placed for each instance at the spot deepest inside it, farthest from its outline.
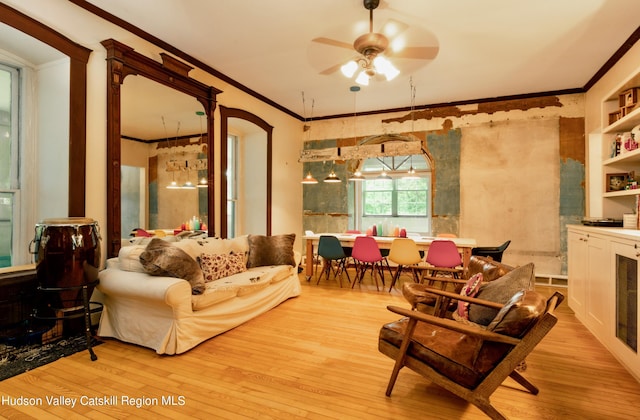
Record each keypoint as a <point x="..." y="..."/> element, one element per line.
<point x="378" y="203"/>
<point x="6" y="228"/>
<point x="421" y="184"/>
<point x="412" y="203"/>
<point x="378" y="185"/>
<point x="5" y="129"/>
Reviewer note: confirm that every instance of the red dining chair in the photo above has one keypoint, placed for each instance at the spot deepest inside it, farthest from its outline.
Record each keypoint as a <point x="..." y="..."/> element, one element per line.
<point x="444" y="259"/>
<point x="347" y="249"/>
<point x="366" y="255"/>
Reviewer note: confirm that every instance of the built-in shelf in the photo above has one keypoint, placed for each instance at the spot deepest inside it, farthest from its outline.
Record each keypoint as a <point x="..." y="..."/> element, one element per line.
<point x="626" y="157"/>
<point x="621" y="103"/>
<point x="625" y="123"/>
<point x="622" y="193"/>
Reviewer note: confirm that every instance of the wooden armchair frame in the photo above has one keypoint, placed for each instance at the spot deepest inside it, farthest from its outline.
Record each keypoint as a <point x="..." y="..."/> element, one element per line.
<point x="479" y="396"/>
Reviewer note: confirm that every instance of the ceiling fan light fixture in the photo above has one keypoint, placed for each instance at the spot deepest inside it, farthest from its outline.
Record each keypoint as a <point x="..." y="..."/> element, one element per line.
<point x="384" y="66"/>
<point x="349" y="69"/>
<point x="363" y="78"/>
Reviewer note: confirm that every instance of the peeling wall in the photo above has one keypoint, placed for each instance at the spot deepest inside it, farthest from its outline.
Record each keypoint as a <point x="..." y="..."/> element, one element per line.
<point x="503" y="170"/>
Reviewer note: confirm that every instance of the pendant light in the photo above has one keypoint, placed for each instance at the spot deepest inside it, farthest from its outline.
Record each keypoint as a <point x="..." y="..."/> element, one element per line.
<point x="173" y="185"/>
<point x="357" y="175"/>
<point x="332" y="178"/>
<point x="202" y="183"/>
<point x="188" y="185"/>
<point x="411" y="173"/>
<point x="384" y="175"/>
<point x="309" y="179"/>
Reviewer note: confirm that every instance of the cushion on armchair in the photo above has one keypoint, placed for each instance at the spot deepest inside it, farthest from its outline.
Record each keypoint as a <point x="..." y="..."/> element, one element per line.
<point x="522" y="310"/>
<point x="500" y="291"/>
<point x="161" y="258"/>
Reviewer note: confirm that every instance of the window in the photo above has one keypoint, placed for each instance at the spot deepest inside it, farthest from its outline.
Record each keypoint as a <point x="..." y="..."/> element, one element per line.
<point x="396" y="197"/>
<point x="388" y="195"/>
<point x="232" y="185"/>
<point x="9" y="155"/>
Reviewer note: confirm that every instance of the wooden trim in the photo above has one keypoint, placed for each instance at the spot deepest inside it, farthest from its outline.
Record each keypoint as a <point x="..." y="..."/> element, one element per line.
<point x="79" y="56"/>
<point x="122" y="61"/>
<point x="225" y="114"/>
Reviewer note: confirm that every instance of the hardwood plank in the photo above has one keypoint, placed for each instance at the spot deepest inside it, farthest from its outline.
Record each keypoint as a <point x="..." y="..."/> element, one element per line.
<point x="316" y="357"/>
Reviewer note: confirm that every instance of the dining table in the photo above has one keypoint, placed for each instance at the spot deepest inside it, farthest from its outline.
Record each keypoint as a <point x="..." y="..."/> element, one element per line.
<point x="464" y="245"/>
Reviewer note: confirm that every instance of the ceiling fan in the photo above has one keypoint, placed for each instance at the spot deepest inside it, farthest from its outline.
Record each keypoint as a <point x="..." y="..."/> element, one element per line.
<point x="373" y="48"/>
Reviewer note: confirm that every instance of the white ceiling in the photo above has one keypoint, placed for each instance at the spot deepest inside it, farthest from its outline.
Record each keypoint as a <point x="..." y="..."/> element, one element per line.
<point x="487" y="48"/>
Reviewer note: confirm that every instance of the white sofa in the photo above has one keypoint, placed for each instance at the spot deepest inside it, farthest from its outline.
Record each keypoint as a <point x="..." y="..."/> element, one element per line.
<point x="162" y="313"/>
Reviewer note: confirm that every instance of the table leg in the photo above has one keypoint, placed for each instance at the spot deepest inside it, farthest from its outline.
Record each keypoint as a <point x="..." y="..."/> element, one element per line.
<point x="466" y="257"/>
<point x="309" y="260"/>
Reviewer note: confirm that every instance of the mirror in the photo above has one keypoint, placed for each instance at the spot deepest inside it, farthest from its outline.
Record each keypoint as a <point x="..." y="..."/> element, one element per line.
<point x="163" y="141"/>
<point x="246" y="203"/>
<point x="122" y="61"/>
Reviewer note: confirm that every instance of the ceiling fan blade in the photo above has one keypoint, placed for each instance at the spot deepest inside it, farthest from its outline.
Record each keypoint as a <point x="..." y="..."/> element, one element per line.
<point x="393" y="28"/>
<point x="419" y="53"/>
<point x="333" y="42"/>
<point x="331" y="69"/>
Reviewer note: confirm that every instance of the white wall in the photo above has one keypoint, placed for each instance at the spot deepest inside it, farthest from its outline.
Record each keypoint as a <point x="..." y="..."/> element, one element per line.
<point x="53" y="140"/>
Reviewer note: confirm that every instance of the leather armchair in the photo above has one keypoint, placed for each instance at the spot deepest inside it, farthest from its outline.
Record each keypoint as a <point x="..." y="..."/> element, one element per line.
<point x="468" y="361"/>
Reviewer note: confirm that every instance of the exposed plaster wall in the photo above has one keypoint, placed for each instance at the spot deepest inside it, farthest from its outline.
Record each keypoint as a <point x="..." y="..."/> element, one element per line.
<point x="503" y="170"/>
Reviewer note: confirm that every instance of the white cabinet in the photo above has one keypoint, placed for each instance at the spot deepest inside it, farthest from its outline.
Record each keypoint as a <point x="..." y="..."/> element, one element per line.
<point x="604" y="273"/>
<point x="577" y="279"/>
<point x="626" y="257"/>
<point x="590" y="290"/>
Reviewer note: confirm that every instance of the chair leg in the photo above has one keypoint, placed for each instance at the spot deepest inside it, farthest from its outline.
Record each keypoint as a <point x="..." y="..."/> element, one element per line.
<point x="395" y="277"/>
<point x="489" y="409"/>
<point x="402" y="354"/>
<point x="326" y="266"/>
<point x="359" y="274"/>
<point x="377" y="269"/>
<point x="524" y="382"/>
<point x="342" y="268"/>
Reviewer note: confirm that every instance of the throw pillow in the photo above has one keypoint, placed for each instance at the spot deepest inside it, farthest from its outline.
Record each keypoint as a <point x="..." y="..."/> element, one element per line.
<point x="517" y="316"/>
<point x="217" y="266"/>
<point x="160" y="258"/>
<point x="470" y="289"/>
<point x="271" y="250"/>
<point x="500" y="291"/>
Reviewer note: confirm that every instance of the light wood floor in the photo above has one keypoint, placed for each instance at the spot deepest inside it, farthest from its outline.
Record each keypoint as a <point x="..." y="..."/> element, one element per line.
<point x="316" y="357"/>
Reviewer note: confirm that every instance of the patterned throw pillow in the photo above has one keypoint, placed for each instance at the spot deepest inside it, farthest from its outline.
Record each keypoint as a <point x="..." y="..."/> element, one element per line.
<point x="217" y="266"/>
<point x="470" y="289"/>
